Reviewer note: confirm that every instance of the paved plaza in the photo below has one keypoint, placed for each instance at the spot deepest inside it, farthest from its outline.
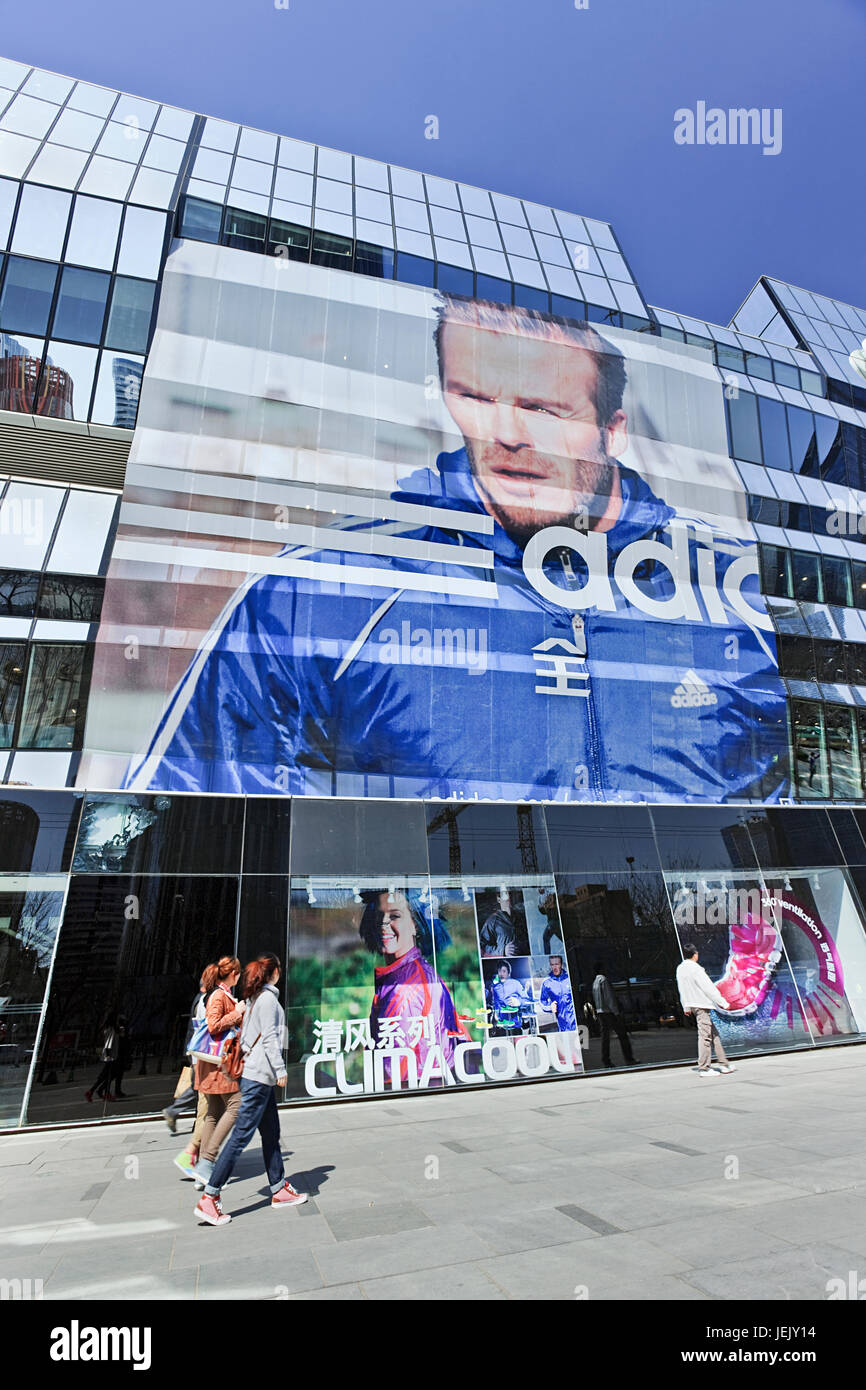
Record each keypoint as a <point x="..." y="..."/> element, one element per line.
<point x="641" y="1185"/>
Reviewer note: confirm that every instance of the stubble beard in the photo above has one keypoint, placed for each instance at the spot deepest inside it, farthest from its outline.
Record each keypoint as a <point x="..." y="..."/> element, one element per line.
<point x="590" y="495"/>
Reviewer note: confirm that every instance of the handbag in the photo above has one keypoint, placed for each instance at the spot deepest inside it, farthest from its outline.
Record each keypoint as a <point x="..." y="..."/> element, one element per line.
<point x="184" y="1082"/>
<point x="204" y="1047"/>
<point x="234" y="1055"/>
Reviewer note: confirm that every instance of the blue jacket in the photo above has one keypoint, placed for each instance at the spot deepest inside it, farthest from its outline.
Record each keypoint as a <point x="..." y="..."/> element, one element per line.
<point x="502" y="686"/>
<point x="557" y="990"/>
<point x="508" y="994"/>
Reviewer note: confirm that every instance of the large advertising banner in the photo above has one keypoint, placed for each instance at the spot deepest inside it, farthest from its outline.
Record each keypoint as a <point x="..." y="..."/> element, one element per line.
<point x="380" y="541"/>
<point x="413" y="984"/>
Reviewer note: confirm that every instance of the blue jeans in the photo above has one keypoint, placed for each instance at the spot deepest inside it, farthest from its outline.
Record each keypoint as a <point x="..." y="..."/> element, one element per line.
<point x="258" y="1112"/>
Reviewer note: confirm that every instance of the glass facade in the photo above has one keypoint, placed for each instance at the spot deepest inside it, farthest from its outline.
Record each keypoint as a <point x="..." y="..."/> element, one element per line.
<point x="496" y="920"/>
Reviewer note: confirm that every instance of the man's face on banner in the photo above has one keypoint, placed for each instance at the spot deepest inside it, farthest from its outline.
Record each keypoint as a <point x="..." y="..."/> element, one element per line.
<point x="525" y="407"/>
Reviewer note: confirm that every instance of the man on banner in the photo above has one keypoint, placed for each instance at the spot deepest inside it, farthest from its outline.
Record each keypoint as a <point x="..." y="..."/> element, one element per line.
<point x="628" y="653"/>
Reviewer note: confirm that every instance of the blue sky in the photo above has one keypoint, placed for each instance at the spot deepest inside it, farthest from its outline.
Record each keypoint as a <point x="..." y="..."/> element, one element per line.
<point x="534" y="97"/>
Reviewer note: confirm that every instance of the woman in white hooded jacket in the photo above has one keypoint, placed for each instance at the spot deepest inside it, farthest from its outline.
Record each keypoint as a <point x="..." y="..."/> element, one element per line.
<point x="262" y="1048"/>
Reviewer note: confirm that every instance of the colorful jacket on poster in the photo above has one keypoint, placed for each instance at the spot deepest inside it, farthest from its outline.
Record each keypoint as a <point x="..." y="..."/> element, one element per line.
<point x="310" y="686"/>
<point x="557" y="990"/>
<point x="508" y="994"/>
<point x="408" y="991"/>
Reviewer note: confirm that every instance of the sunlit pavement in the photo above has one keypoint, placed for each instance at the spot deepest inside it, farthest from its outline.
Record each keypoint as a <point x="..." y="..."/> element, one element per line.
<point x="642" y="1185"/>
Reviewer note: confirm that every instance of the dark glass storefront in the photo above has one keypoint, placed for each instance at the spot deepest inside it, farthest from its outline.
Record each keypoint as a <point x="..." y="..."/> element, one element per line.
<point x="427" y="944"/>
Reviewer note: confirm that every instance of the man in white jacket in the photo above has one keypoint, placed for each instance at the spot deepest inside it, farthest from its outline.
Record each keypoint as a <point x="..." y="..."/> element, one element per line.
<point x="698" y="995"/>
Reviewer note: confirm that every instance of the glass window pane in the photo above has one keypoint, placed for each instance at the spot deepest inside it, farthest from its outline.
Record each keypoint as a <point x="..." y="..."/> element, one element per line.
<point x="28" y="514"/>
<point x="28" y="116"/>
<point x="58" y="166"/>
<point x="52" y="714"/>
<point x="117" y="390"/>
<point x="592" y="839"/>
<point x="774" y="433"/>
<point x="252" y="176"/>
<point x="811" y="383"/>
<point x="858" y="579"/>
<point x="219" y="135"/>
<point x="843" y="752"/>
<point x="568" y="308"/>
<point x="332" y="250"/>
<point x="67" y="382"/>
<point x="371" y="174"/>
<point x="531" y="298"/>
<point x="72" y="597"/>
<point x="40" y="225"/>
<point x="334" y="164"/>
<point x="454" y="279"/>
<point x="8" y="194"/>
<point x="80" y="310"/>
<point x="83" y="532"/>
<point x="289" y="235"/>
<point x="20" y="363"/>
<point x="97" y="100"/>
<point x="743" y="417"/>
<point x="175" y="123"/>
<point x="164" y="154"/>
<point x="18" y="589"/>
<point x="93" y="233"/>
<point x="295" y="186"/>
<point x="295" y="154"/>
<point x="374" y="260"/>
<point x="11" y="682"/>
<point x="30" y="909"/>
<point x="77" y="129"/>
<point x="245" y="231"/>
<point x="837" y="580"/>
<point x="709" y="837"/>
<point x="130" y="314"/>
<point x="141" y="243"/>
<point x="801" y="432"/>
<point x="730" y="357"/>
<point x="760" y="366"/>
<point x="415" y="270"/>
<point x="107" y="178"/>
<point x="786" y="374"/>
<point x="266" y="835"/>
<point x="492" y="288"/>
<point x="806" y="576"/>
<point x="200" y="220"/>
<point x="16" y="153"/>
<point x="810" y="754"/>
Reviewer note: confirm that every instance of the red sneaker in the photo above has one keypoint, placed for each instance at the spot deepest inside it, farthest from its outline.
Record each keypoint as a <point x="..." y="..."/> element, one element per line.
<point x="209" y="1209"/>
<point x="288" y="1197"/>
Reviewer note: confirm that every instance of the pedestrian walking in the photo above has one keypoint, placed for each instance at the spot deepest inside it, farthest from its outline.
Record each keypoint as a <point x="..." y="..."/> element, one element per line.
<point x="110" y="1048"/>
<point x="222" y="1012"/>
<point x="698" y="995"/>
<point x="609" y="1016"/>
<point x="262" y="1049"/>
<point x="186" y="1095"/>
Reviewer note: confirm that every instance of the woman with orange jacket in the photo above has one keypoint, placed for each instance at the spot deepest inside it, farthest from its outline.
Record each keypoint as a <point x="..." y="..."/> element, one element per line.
<point x="222" y="1012"/>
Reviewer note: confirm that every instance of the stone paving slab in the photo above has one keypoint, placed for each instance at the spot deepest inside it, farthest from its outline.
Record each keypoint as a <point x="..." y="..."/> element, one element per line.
<point x="618" y="1185"/>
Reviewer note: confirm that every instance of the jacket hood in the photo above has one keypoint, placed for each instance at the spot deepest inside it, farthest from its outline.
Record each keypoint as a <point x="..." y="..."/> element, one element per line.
<point x="451" y="485"/>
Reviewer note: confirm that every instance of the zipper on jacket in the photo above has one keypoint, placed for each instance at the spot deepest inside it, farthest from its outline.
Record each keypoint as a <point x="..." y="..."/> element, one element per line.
<point x="578" y="628"/>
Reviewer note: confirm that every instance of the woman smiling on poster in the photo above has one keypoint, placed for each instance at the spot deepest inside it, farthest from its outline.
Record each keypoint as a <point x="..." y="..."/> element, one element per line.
<point x="412" y="1006"/>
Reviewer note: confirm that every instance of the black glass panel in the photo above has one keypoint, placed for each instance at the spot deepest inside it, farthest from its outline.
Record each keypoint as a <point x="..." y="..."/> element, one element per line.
<point x="793" y="838"/>
<point x="263" y="917"/>
<point x="849" y="827"/>
<point x="266" y="835"/>
<point x="54" y="699"/>
<point x="26" y="299"/>
<point x="831" y="668"/>
<point x="759" y="366"/>
<point x="856" y="658"/>
<point x="810" y="751"/>
<point x="80" y="307"/>
<point x="767" y="510"/>
<point x="18" y="589"/>
<point x="801" y="432"/>
<point x="730" y="357"/>
<point x="71" y="596"/>
<point x="130" y="956"/>
<point x="692" y="838"/>
<point x="796" y="658"/>
<point x="469" y="838"/>
<point x="200" y="220"/>
<point x="352" y="837"/>
<point x="858" y="580"/>
<point x="121" y="832"/>
<point x="622" y="952"/>
<point x="37" y="830"/>
<point x="591" y="839"/>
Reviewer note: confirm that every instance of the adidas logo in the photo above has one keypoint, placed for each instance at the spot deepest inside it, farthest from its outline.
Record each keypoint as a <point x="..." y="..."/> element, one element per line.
<point x="692" y="691"/>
